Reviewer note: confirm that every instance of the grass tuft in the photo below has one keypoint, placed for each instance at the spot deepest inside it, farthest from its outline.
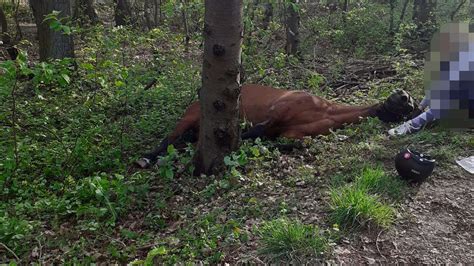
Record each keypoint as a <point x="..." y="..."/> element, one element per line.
<point x="375" y="180"/>
<point x="353" y="207"/>
<point x="286" y="240"/>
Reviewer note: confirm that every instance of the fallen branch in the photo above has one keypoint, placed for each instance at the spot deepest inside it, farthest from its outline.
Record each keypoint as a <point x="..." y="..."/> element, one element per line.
<point x="11" y="251"/>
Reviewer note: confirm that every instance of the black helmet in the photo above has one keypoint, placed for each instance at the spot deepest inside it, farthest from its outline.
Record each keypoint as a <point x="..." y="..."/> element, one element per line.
<point x="413" y="166"/>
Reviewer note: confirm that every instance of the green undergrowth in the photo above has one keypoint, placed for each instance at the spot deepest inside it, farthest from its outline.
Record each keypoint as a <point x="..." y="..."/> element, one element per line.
<point x="292" y="241"/>
<point x="69" y="132"/>
<point x="366" y="200"/>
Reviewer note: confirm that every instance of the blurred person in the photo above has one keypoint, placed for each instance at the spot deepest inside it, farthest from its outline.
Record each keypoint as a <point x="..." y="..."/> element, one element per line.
<point x="449" y="81"/>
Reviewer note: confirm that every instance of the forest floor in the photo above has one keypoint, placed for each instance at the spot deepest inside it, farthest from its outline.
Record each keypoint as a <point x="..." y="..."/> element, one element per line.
<point x="204" y="219"/>
<point x="434" y="220"/>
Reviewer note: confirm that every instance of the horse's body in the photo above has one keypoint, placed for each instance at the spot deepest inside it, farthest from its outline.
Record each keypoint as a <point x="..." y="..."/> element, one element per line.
<point x="292" y="114"/>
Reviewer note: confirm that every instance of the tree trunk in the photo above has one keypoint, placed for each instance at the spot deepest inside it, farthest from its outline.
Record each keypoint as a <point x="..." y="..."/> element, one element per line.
<point x="187" y="37"/>
<point x="123" y="13"/>
<point x="471" y="9"/>
<point x="219" y="131"/>
<point x="453" y="14"/>
<point x="19" y="33"/>
<point x="392" y="17"/>
<point x="345" y="7"/>
<point x="423" y="12"/>
<point x="85" y="13"/>
<point x="52" y="44"/>
<point x="4" y="24"/>
<point x="404" y="10"/>
<point x="157" y="12"/>
<point x="268" y="15"/>
<point x="148" y="15"/>
<point x="292" y="28"/>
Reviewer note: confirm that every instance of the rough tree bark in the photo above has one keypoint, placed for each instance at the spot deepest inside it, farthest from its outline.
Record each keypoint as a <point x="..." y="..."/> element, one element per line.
<point x="219" y="131"/>
<point x="85" y="13"/>
<point x="52" y="44"/>
<point x="292" y="28"/>
<point x="123" y="13"/>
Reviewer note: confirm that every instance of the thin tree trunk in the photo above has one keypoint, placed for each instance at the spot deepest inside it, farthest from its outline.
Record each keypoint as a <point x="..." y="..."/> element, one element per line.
<point x="148" y="18"/>
<point x="157" y="17"/>
<point x="19" y="33"/>
<point x="123" y="13"/>
<point x="187" y="38"/>
<point x="292" y="28"/>
<point x="5" y="36"/>
<point x="453" y="14"/>
<point x="423" y="12"/>
<point x="404" y="11"/>
<point x="471" y="9"/>
<point x="52" y="44"/>
<point x="219" y="130"/>
<point x="392" y="17"/>
<point x="345" y="8"/>
<point x="85" y="13"/>
<point x="268" y="15"/>
<point x="4" y="24"/>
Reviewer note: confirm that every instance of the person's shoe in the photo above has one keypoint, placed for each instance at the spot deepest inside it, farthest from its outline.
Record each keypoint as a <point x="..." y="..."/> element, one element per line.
<point x="403" y="129"/>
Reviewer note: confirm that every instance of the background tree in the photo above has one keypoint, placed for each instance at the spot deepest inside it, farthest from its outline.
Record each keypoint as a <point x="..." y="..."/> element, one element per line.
<point x="52" y="43"/>
<point x="84" y="12"/>
<point x="149" y="19"/>
<point x="219" y="131"/>
<point x="423" y="12"/>
<point x="471" y="9"/>
<point x="123" y="13"/>
<point x="4" y="24"/>
<point x="268" y="15"/>
<point x="292" y="27"/>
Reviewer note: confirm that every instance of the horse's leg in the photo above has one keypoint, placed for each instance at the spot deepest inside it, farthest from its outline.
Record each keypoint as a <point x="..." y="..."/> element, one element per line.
<point x="256" y="131"/>
<point x="189" y="122"/>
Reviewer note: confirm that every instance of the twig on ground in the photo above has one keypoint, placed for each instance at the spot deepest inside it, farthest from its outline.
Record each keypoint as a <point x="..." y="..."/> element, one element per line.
<point x="377" y="243"/>
<point x="11" y="251"/>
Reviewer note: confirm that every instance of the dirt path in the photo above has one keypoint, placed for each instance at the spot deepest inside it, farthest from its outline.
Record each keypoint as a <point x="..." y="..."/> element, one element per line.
<point x="435" y="226"/>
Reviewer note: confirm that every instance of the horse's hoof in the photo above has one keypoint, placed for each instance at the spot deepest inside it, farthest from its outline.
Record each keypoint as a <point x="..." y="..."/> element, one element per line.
<point x="143" y="163"/>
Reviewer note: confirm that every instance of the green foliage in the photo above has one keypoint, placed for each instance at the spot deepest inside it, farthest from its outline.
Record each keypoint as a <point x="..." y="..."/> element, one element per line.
<point x="57" y="23"/>
<point x="78" y="128"/>
<point x="376" y="181"/>
<point x="14" y="232"/>
<point x="353" y="207"/>
<point x="362" y="31"/>
<point x="356" y="201"/>
<point x="287" y="240"/>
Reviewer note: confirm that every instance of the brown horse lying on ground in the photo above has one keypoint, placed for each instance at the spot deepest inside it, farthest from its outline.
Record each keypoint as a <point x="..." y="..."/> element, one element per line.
<point x="290" y="114"/>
